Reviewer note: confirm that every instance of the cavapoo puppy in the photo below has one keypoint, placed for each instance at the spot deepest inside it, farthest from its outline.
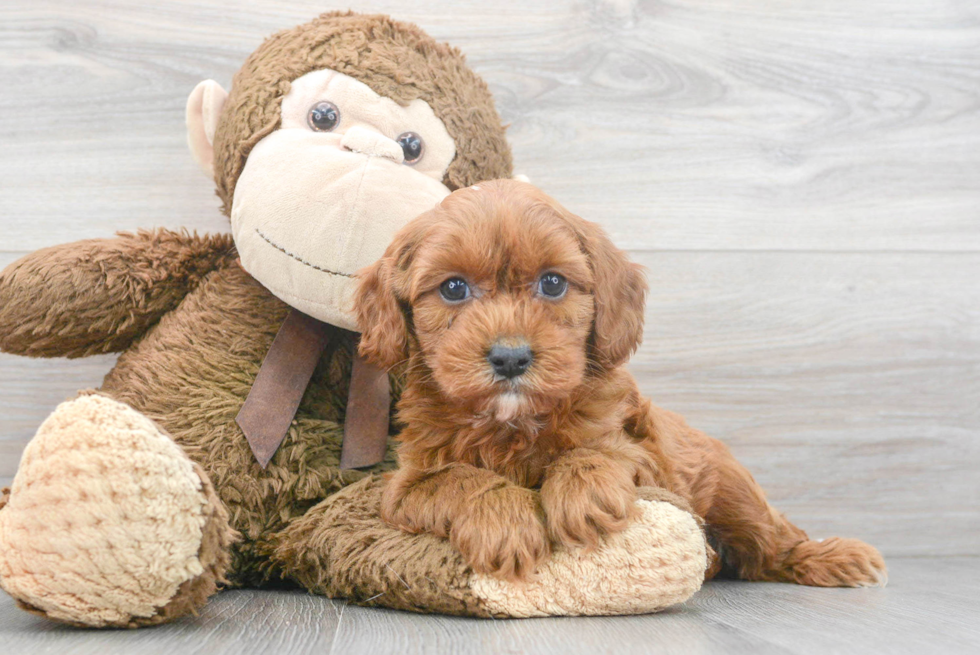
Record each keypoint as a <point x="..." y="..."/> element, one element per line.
<point x="522" y="427"/>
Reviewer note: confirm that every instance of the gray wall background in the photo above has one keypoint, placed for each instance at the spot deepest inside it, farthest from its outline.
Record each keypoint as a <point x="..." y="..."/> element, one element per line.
<point x="802" y="181"/>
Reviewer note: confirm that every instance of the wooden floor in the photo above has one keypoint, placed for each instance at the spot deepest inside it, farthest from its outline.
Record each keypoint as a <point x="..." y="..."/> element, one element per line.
<point x="801" y="180"/>
<point x="929" y="606"/>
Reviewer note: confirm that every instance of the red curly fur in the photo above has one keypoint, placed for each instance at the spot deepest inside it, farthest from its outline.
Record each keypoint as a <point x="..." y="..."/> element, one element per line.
<point x="574" y="425"/>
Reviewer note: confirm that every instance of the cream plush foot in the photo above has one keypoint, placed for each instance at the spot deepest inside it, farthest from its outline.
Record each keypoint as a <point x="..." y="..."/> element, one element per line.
<point x="341" y="548"/>
<point x="109" y="523"/>
<point x="658" y="561"/>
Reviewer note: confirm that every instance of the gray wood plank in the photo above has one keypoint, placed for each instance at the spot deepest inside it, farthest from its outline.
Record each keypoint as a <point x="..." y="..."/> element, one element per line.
<point x="680" y="631"/>
<point x="699" y="125"/>
<point x="233" y="623"/>
<point x="908" y="616"/>
<point x="930" y="605"/>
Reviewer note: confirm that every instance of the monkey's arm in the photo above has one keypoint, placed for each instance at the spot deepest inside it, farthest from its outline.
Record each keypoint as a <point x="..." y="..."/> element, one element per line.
<point x="97" y="296"/>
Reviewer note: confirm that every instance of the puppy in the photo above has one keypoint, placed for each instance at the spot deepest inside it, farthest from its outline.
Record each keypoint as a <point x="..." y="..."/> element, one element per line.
<point x="514" y="318"/>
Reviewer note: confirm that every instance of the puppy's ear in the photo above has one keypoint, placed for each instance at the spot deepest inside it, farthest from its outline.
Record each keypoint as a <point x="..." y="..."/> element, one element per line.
<point x="379" y="302"/>
<point x="620" y="291"/>
<point x="383" y="327"/>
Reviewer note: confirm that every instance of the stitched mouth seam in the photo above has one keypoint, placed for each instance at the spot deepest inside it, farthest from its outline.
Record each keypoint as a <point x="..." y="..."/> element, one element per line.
<point x="297" y="258"/>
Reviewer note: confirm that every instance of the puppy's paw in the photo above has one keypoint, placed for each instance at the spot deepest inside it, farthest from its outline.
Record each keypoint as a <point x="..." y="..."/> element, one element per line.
<point x="502" y="533"/>
<point x="586" y="500"/>
<point x="836" y="562"/>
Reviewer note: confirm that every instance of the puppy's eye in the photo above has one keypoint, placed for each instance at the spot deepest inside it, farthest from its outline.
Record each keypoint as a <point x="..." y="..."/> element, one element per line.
<point x="552" y="285"/>
<point x="412" y="145"/>
<point x="323" y="117"/>
<point x="455" y="289"/>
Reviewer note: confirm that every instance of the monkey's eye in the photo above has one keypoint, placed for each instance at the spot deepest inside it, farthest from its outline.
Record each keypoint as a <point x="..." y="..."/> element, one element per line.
<point x="323" y="117"/>
<point x="454" y="290"/>
<point x="552" y="285"/>
<point x="412" y="145"/>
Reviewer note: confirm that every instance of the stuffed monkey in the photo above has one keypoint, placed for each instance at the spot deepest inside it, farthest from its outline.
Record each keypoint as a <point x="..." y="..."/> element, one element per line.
<point x="136" y="501"/>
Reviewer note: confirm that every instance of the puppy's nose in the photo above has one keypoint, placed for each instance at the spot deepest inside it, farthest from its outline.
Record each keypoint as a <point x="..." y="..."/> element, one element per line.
<point x="510" y="361"/>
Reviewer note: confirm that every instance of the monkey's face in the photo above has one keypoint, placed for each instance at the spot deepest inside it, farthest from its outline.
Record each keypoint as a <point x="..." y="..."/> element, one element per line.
<point x="321" y="196"/>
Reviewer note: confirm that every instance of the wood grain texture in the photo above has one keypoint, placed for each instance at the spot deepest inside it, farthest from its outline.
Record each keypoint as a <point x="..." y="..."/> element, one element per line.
<point x="681" y="125"/>
<point x="234" y="623"/>
<point x="801" y="180"/>
<point x="929" y="606"/>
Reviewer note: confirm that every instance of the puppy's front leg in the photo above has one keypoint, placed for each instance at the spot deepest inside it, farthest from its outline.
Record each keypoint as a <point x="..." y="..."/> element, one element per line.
<point x="497" y="526"/>
<point x="587" y="494"/>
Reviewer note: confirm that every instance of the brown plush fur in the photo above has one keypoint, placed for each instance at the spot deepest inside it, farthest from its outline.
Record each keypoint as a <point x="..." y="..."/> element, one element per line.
<point x="225" y="349"/>
<point x="192" y="366"/>
<point x="341" y="548"/>
<point x="574" y="425"/>
<point x="193" y="328"/>
<point x="395" y="59"/>
<point x="98" y="296"/>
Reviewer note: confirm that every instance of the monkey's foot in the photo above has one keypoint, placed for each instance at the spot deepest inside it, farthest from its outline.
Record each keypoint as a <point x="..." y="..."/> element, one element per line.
<point x="342" y="548"/>
<point x="109" y="523"/>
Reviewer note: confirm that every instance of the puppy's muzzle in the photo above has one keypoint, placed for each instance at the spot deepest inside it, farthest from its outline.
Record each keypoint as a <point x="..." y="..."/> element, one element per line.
<point x="510" y="361"/>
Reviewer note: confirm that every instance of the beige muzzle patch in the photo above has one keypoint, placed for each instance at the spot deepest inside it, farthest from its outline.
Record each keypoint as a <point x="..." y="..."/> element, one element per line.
<point x="312" y="207"/>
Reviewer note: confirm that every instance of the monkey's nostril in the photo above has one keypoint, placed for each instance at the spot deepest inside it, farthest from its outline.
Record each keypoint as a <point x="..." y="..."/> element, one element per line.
<point x="510" y="361"/>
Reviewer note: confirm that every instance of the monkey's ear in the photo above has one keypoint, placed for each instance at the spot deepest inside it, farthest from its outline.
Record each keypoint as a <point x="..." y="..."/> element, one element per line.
<point x="203" y="110"/>
<point x="619" y="290"/>
<point x="384" y="341"/>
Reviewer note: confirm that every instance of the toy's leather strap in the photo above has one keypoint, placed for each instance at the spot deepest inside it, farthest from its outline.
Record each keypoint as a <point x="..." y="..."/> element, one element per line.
<point x="366" y="420"/>
<point x="279" y="386"/>
<point x="275" y="395"/>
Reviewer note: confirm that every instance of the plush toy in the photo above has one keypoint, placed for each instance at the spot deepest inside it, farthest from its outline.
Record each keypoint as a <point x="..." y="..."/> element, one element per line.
<point x="135" y="501"/>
